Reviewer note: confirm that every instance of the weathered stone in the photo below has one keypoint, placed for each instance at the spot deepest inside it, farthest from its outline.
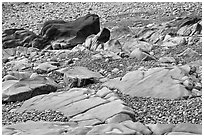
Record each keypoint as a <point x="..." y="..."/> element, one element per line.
<point x="167" y="60"/>
<point x="80" y="131"/>
<point x="137" y="126"/>
<point x="9" y="77"/>
<point x="188" y="53"/>
<point x="47" y="66"/>
<point x="110" y="54"/>
<point x="188" y="127"/>
<point x="75" y="32"/>
<point x="97" y="57"/>
<point x="121" y="33"/>
<point x="18" y="37"/>
<point x="173" y="42"/>
<point x="99" y="113"/>
<point x="156" y="82"/>
<point x="81" y="76"/>
<point x="20" y="75"/>
<point x="103" y="92"/>
<point x="111" y="129"/>
<point x="96" y="42"/>
<point x="18" y="90"/>
<point x="140" y="55"/>
<point x="118" y="118"/>
<point x="189" y="30"/>
<point x="70" y="103"/>
<point x="135" y="43"/>
<point x="123" y="128"/>
<point x="113" y="45"/>
<point x="20" y="64"/>
<point x="36" y="128"/>
<point x="160" y="129"/>
<point x="115" y="70"/>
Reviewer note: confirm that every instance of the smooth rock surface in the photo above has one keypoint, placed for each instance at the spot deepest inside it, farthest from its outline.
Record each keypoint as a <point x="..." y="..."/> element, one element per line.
<point x="188" y="127"/>
<point x="160" y="129"/>
<point x="156" y="82"/>
<point x="19" y="90"/>
<point x="36" y="128"/>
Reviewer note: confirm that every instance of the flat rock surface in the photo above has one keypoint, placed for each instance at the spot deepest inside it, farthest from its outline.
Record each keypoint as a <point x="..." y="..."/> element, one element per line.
<point x="18" y="90"/>
<point x="156" y="82"/>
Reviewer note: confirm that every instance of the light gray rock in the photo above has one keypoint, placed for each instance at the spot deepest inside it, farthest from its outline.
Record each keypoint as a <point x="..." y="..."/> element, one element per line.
<point x="155" y="82"/>
<point x="188" y="127"/>
<point x="70" y="103"/>
<point x="47" y="66"/>
<point x="36" y="128"/>
<point x="135" y="43"/>
<point x="173" y="42"/>
<point x="80" y="76"/>
<point x="104" y="111"/>
<point x="167" y="60"/>
<point x="188" y="53"/>
<point x="18" y="90"/>
<point x="160" y="129"/>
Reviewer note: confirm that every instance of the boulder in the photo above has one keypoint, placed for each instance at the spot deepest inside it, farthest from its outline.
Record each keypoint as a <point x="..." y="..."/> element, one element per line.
<point x="167" y="60"/>
<point x="156" y="82"/>
<point x="121" y="33"/>
<point x="141" y="55"/>
<point x="104" y="111"/>
<point x="20" y="64"/>
<point x="113" y="45"/>
<point x="19" y="90"/>
<point x="70" y="103"/>
<point x="46" y="67"/>
<point x="80" y="76"/>
<point x="190" y="26"/>
<point x="96" y="42"/>
<point x="131" y="45"/>
<point x="174" y="41"/>
<point x="18" y="37"/>
<point x="75" y="32"/>
<point x="190" y="53"/>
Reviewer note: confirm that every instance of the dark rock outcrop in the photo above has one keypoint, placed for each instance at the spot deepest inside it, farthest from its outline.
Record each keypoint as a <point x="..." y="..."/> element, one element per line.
<point x="12" y="38"/>
<point x="75" y="31"/>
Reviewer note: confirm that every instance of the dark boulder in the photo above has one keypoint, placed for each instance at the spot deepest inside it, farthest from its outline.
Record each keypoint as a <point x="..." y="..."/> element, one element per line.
<point x="74" y="31"/>
<point x="12" y="38"/>
<point x="104" y="36"/>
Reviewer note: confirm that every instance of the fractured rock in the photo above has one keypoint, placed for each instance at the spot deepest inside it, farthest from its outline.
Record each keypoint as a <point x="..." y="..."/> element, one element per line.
<point x="160" y="129"/>
<point x="104" y="111"/>
<point x="156" y="82"/>
<point x="174" y="41"/>
<point x="81" y="76"/>
<point x="19" y="90"/>
<point x="36" y="128"/>
<point x="75" y="31"/>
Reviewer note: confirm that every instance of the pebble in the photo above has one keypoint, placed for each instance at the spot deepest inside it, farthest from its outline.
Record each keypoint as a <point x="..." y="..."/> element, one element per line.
<point x="188" y="84"/>
<point x="164" y="111"/>
<point x="9" y="116"/>
<point x="115" y="70"/>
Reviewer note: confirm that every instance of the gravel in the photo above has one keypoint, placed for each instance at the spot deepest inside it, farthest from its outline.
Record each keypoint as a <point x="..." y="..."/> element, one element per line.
<point x="31" y="15"/>
<point x="165" y="111"/>
<point x="9" y="116"/>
